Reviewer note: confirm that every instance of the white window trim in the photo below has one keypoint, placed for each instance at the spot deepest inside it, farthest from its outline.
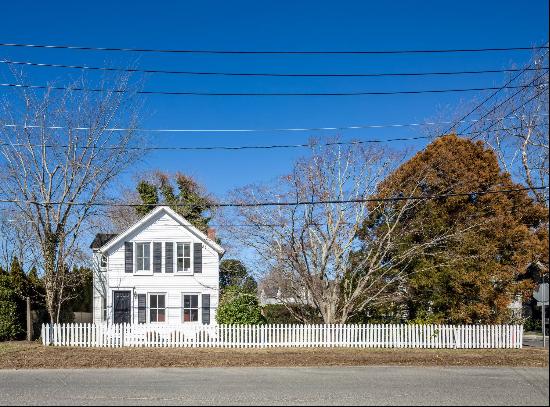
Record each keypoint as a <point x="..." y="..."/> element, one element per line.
<point x="143" y="272"/>
<point x="199" y="308"/>
<point x="148" y="307"/>
<point x="183" y="272"/>
<point x="106" y="266"/>
<point x="97" y="258"/>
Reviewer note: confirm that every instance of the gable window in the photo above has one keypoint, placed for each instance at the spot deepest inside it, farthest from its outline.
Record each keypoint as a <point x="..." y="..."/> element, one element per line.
<point x="143" y="256"/>
<point x="183" y="257"/>
<point x="103" y="262"/>
<point x="157" y="308"/>
<point x="190" y="308"/>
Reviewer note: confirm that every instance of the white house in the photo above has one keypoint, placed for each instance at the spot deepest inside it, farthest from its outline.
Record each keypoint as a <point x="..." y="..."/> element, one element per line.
<point x="160" y="270"/>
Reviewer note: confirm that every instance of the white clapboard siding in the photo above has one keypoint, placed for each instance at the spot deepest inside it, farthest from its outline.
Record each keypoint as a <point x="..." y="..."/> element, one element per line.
<point x="284" y="335"/>
<point x="161" y="228"/>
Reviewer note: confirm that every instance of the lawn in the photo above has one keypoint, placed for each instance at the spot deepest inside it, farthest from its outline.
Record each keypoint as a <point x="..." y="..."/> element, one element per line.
<point x="25" y="355"/>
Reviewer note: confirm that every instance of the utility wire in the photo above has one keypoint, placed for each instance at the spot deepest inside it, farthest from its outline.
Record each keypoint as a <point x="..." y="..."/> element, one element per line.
<point x="275" y="52"/>
<point x="267" y="74"/>
<point x="494" y="108"/>
<point x="290" y="129"/>
<point x="183" y="93"/>
<point x="521" y="72"/>
<point x="234" y="148"/>
<point x="262" y="204"/>
<point x="488" y="129"/>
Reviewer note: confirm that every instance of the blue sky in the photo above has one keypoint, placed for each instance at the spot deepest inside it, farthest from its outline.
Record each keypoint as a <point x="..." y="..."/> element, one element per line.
<point x="254" y="25"/>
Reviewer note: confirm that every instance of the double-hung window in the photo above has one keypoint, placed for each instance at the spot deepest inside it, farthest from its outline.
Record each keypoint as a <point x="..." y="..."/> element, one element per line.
<point x="183" y="257"/>
<point x="157" y="308"/>
<point x="143" y="257"/>
<point x="190" y="308"/>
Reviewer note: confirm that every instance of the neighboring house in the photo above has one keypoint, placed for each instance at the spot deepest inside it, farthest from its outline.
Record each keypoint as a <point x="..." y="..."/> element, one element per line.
<point x="160" y="270"/>
<point x="274" y="295"/>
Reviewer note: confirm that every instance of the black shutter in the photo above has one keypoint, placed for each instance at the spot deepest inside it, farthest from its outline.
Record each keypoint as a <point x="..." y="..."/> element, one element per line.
<point x="157" y="257"/>
<point x="128" y="257"/>
<point x="197" y="257"/>
<point x="169" y="257"/>
<point x="206" y="309"/>
<point x="142" y="308"/>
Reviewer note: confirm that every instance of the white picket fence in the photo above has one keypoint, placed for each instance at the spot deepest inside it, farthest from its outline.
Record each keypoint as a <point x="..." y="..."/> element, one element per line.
<point x="282" y="335"/>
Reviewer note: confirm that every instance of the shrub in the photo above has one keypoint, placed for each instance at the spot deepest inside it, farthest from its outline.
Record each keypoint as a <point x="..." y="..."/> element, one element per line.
<point x="238" y="307"/>
<point x="530" y="324"/>
<point x="10" y="323"/>
<point x="280" y="314"/>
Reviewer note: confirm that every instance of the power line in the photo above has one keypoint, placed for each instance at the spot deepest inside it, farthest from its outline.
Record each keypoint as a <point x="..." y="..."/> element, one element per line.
<point x="246" y="147"/>
<point x="288" y="129"/>
<point x="262" y="204"/>
<point x="265" y="74"/>
<point x="488" y="129"/>
<point x="494" y="108"/>
<point x="183" y="93"/>
<point x="521" y="72"/>
<point x="275" y="52"/>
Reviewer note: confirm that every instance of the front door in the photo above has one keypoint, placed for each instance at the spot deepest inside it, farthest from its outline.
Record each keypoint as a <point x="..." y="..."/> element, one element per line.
<point x="121" y="307"/>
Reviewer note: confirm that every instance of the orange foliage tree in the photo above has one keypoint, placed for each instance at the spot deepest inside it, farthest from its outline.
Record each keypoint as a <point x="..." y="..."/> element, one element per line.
<point x="473" y="278"/>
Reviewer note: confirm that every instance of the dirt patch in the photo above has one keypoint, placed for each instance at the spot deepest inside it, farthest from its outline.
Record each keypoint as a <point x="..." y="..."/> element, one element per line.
<point x="25" y="355"/>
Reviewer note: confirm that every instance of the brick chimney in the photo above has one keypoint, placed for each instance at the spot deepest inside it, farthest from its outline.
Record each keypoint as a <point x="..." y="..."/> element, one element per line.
<point x="211" y="232"/>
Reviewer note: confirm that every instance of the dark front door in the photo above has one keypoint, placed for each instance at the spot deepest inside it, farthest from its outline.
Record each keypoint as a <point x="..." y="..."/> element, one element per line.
<point x="121" y="307"/>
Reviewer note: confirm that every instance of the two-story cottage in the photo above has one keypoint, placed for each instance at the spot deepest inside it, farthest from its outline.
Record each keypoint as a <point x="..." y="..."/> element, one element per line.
<point x="160" y="270"/>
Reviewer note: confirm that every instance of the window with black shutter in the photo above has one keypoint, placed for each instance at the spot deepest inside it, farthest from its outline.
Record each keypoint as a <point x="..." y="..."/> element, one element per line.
<point x="157" y="257"/>
<point x="169" y="257"/>
<point x="197" y="257"/>
<point x="142" y="308"/>
<point x="206" y="309"/>
<point x="128" y="257"/>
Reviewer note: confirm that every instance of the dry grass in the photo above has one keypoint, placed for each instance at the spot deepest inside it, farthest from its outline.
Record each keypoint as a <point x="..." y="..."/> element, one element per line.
<point x="25" y="355"/>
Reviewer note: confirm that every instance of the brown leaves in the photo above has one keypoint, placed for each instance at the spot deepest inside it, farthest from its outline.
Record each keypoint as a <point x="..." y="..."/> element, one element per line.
<point x="502" y="233"/>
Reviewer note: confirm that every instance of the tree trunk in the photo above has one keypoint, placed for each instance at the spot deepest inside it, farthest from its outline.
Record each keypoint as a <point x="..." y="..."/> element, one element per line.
<point x="51" y="243"/>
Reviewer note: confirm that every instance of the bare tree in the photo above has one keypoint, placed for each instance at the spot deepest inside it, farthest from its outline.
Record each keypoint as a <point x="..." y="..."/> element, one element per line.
<point x="314" y="248"/>
<point x="15" y="238"/>
<point x="60" y="157"/>
<point x="515" y="125"/>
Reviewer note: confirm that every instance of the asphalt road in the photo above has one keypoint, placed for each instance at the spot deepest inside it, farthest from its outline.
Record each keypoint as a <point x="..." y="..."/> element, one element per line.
<point x="277" y="386"/>
<point x="534" y="341"/>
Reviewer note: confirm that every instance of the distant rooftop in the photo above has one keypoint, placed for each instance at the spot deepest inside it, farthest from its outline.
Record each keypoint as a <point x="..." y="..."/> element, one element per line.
<point x="101" y="239"/>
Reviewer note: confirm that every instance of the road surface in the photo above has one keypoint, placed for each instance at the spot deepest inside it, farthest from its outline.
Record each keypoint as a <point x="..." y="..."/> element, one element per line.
<point x="296" y="386"/>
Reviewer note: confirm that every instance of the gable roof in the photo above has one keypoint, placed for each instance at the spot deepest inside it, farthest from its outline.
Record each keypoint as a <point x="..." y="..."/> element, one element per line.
<point x="100" y="239"/>
<point x="169" y="211"/>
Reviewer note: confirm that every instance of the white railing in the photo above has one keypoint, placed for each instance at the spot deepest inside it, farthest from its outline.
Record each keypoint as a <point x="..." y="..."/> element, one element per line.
<point x="282" y="335"/>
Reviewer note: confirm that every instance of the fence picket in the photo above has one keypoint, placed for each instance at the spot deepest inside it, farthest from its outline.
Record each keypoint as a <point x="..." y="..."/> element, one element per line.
<point x="283" y="335"/>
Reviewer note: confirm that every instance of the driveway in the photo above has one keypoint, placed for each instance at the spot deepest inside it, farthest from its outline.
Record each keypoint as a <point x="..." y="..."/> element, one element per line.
<point x="262" y="386"/>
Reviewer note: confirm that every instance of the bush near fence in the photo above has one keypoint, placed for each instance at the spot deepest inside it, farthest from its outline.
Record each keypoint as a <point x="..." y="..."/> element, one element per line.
<point x="284" y="335"/>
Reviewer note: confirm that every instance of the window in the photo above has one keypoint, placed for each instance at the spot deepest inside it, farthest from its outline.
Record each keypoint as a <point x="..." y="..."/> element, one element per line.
<point x="183" y="257"/>
<point x="143" y="256"/>
<point x="157" y="308"/>
<point x="103" y="262"/>
<point x="190" y="308"/>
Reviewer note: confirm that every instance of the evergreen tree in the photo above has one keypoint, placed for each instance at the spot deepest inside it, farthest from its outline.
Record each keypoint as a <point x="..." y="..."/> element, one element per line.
<point x="148" y="194"/>
<point x="473" y="277"/>
<point x="189" y="200"/>
<point x="36" y="289"/>
<point x="19" y="278"/>
<point x="234" y="273"/>
<point x="10" y="321"/>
